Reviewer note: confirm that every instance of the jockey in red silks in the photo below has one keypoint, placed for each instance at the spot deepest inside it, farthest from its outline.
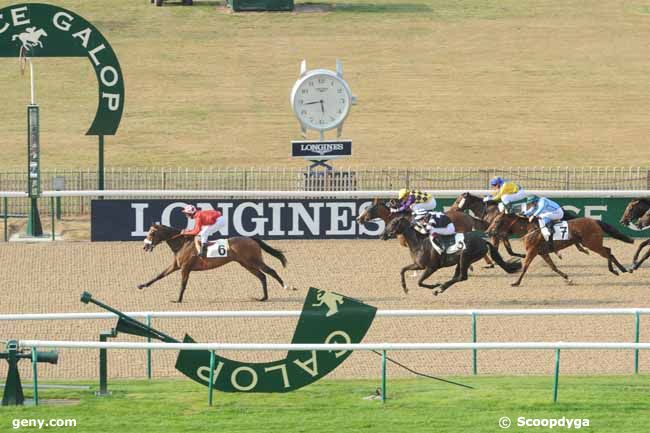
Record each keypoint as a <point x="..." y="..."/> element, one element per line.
<point x="206" y="223"/>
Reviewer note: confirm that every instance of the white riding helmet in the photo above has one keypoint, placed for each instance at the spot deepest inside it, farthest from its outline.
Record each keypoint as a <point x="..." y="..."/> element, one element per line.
<point x="189" y="210"/>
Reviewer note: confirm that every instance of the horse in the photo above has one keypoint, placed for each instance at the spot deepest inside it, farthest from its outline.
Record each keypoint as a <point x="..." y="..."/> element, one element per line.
<point x="485" y="213"/>
<point x="586" y="231"/>
<point x="379" y="210"/>
<point x="637" y="209"/>
<point x="426" y="257"/>
<point x="245" y="251"/>
<point x="30" y="37"/>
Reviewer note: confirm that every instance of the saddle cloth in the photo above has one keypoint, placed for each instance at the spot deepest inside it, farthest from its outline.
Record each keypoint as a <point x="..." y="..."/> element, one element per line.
<point x="452" y="244"/>
<point x="218" y="248"/>
<point x="561" y="231"/>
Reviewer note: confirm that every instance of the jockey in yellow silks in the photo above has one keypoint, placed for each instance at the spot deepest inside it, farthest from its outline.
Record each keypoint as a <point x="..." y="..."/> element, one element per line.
<point x="413" y="200"/>
<point x="506" y="192"/>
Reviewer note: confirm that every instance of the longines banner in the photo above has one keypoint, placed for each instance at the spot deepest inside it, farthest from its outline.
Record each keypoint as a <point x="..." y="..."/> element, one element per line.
<point x="326" y="317"/>
<point x="129" y="220"/>
<point x="43" y="30"/>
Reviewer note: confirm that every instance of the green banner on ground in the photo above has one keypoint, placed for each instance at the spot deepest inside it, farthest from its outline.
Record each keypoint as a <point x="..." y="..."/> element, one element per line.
<point x="326" y="317"/>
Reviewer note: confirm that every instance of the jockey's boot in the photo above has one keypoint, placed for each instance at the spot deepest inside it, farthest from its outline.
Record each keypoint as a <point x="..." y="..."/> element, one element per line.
<point x="204" y="250"/>
<point x="548" y="236"/>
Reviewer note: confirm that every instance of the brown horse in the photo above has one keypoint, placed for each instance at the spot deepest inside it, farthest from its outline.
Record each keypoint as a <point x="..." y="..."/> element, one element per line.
<point x="637" y="213"/>
<point x="587" y="231"/>
<point x="484" y="214"/>
<point x="245" y="251"/>
<point x="379" y="210"/>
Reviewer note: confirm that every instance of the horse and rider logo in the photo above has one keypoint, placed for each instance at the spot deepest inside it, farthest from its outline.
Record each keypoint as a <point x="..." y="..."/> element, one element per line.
<point x="330" y="300"/>
<point x="30" y="38"/>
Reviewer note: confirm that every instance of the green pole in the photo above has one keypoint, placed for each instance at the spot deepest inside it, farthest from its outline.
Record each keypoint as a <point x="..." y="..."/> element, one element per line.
<point x="149" y="350"/>
<point x="52" y="216"/>
<point x="557" y="374"/>
<point x="211" y="384"/>
<point x="58" y="208"/>
<point x="474" y="351"/>
<point x="35" y="374"/>
<point x="103" y="367"/>
<point x="5" y="205"/>
<point x="383" y="376"/>
<point x="637" y="334"/>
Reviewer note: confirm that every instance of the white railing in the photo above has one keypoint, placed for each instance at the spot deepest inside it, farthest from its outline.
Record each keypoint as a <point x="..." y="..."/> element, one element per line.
<point x="296" y="313"/>
<point x="333" y="346"/>
<point x="243" y="194"/>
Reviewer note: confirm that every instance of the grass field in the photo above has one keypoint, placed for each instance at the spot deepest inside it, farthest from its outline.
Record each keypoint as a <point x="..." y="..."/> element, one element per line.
<point x="450" y="83"/>
<point x="612" y="404"/>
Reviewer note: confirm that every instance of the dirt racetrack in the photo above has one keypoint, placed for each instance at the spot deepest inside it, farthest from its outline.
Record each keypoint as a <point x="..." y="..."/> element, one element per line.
<point x="50" y="277"/>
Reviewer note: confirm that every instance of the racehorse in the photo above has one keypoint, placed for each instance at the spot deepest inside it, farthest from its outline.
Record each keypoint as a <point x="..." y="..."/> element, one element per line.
<point x="245" y="251"/>
<point x="639" y="210"/>
<point x="380" y="210"/>
<point x="427" y="258"/>
<point x="586" y="231"/>
<point x="485" y="213"/>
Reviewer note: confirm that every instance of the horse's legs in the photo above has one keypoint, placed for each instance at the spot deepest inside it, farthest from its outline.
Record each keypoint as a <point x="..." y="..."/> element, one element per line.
<point x="185" y="275"/>
<point x="530" y="255"/>
<point x="636" y="262"/>
<point x="411" y="267"/>
<point x="606" y="252"/>
<point x="426" y="274"/>
<point x="550" y="263"/>
<point x="459" y="275"/>
<point x="582" y="249"/>
<point x="260" y="275"/>
<point x="269" y="270"/>
<point x="506" y="242"/>
<point x="172" y="268"/>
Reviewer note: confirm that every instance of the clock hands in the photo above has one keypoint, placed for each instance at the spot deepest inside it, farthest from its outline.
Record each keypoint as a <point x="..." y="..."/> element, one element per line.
<point x="322" y="106"/>
<point x="313" y="102"/>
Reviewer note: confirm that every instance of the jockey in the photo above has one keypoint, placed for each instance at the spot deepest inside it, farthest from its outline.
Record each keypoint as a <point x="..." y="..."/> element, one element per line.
<point x="436" y="224"/>
<point x="413" y="200"/>
<point x="546" y="211"/>
<point x="206" y="223"/>
<point x="507" y="192"/>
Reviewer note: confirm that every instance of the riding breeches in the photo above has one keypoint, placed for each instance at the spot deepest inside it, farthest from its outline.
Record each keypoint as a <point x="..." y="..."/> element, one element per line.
<point x="427" y="205"/>
<point x="516" y="196"/>
<point x="449" y="230"/>
<point x="208" y="231"/>
<point x="545" y="218"/>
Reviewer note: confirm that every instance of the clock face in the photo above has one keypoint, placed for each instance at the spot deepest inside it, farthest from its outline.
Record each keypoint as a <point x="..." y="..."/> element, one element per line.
<point x="321" y="101"/>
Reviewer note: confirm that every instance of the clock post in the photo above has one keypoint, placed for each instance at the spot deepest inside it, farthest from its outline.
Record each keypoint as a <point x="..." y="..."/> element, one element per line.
<point x="321" y="101"/>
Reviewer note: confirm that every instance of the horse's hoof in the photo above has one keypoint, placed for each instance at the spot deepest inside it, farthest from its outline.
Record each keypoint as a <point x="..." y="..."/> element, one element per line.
<point x="175" y="302"/>
<point x="262" y="299"/>
<point x="632" y="268"/>
<point x="569" y="282"/>
<point x="515" y="284"/>
<point x="436" y="292"/>
<point x="488" y="267"/>
<point x="141" y="286"/>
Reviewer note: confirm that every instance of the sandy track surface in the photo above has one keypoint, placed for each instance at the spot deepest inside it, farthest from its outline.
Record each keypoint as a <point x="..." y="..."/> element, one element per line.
<point x="50" y="278"/>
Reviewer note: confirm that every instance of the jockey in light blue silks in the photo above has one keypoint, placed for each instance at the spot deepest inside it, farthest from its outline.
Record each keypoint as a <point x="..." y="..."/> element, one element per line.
<point x="546" y="211"/>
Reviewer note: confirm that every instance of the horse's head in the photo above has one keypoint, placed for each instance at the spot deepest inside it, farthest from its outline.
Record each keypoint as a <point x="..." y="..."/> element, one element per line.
<point x="633" y="211"/>
<point x="372" y="212"/>
<point x="644" y="221"/>
<point x="501" y="224"/>
<point x="395" y="227"/>
<point x="461" y="201"/>
<point x="158" y="233"/>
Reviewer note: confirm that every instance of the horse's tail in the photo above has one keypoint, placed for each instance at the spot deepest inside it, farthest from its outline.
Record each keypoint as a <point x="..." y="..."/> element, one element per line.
<point x="615" y="233"/>
<point x="509" y="267"/>
<point x="275" y="253"/>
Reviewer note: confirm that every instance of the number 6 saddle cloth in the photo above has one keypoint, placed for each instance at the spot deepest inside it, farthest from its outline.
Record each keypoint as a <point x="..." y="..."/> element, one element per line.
<point x="218" y="248"/>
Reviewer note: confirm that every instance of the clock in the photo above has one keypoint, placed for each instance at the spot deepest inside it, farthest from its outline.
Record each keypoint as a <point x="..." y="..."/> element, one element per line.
<point x="321" y="99"/>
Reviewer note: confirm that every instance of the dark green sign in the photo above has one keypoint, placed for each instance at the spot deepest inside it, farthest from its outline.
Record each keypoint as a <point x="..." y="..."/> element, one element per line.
<point x="326" y="317"/>
<point x="42" y="30"/>
<point x="607" y="209"/>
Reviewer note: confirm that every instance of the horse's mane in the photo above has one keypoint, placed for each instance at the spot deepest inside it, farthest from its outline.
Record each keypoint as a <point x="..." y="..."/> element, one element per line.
<point x="645" y="200"/>
<point x="167" y="229"/>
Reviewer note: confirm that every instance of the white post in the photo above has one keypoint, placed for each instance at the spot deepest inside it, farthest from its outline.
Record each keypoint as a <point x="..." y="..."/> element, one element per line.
<point x="31" y="79"/>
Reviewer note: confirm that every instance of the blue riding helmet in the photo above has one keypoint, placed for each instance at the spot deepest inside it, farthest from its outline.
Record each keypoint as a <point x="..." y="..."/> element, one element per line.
<point x="496" y="181"/>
